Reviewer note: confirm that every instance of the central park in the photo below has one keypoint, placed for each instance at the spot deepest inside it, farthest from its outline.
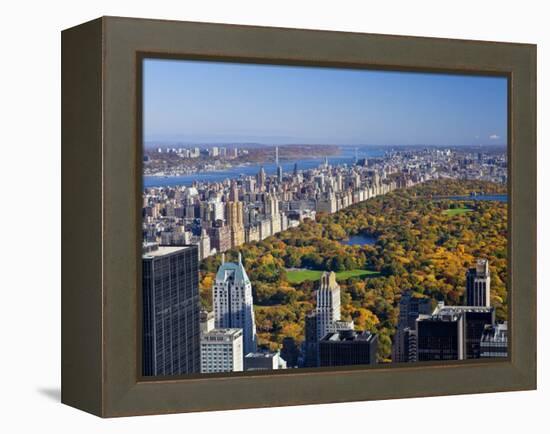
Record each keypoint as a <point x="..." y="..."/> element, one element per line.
<point x="423" y="240"/>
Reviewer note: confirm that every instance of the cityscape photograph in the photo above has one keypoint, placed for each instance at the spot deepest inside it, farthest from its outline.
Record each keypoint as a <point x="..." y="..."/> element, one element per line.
<point x="311" y="217"/>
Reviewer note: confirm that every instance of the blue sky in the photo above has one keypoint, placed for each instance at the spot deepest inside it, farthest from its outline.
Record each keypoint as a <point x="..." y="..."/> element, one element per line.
<point x="206" y="102"/>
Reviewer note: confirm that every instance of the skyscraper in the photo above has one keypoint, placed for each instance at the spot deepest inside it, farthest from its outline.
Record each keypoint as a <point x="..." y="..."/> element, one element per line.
<point x="328" y="303"/>
<point x="441" y="337"/>
<point x="311" y="342"/>
<point x="478" y="284"/>
<point x="411" y="306"/>
<point x="404" y="339"/>
<point x="235" y="220"/>
<point x="234" y="214"/>
<point x="279" y="168"/>
<point x="171" y="321"/>
<point x="261" y="178"/>
<point x="452" y="332"/>
<point x="290" y="352"/>
<point x="232" y="299"/>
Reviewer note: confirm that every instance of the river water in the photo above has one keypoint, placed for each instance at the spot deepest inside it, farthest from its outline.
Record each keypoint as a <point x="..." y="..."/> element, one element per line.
<point x="347" y="156"/>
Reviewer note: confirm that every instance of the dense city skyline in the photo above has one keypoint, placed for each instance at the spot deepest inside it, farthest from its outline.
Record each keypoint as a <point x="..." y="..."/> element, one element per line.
<point x="308" y="258"/>
<point x="336" y="256"/>
<point x="245" y="103"/>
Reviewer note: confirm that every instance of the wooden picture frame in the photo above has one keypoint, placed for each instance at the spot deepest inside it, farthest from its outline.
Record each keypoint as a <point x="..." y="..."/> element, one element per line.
<point x="101" y="182"/>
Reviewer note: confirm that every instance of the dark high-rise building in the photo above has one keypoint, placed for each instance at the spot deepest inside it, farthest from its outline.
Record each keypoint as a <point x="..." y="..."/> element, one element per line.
<point x="410" y="307"/>
<point x="476" y="320"/>
<point x="311" y="343"/>
<point x="290" y="352"/>
<point x="348" y="347"/>
<point x="478" y="284"/>
<point x="404" y="345"/>
<point x="171" y="310"/>
<point x="440" y="337"/>
<point x="404" y="340"/>
<point x="452" y="332"/>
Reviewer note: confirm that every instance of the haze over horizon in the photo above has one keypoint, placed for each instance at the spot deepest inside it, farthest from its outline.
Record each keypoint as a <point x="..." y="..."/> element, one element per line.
<point x="192" y="102"/>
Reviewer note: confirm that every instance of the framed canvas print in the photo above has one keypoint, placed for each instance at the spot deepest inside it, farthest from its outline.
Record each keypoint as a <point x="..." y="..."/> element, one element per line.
<point x="263" y="217"/>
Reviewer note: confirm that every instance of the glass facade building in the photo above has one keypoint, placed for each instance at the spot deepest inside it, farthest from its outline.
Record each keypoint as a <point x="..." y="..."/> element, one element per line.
<point x="171" y="310"/>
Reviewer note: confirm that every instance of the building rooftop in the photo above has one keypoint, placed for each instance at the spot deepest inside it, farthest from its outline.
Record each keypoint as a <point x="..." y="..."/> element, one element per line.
<point x="233" y="270"/>
<point x="441" y="309"/>
<point x="447" y="317"/>
<point x="150" y="251"/>
<point x="348" y="336"/>
<point x="261" y="355"/>
<point x="222" y="334"/>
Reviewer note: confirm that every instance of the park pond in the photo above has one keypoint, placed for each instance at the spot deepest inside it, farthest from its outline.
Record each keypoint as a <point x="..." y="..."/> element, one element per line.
<point x="359" y="240"/>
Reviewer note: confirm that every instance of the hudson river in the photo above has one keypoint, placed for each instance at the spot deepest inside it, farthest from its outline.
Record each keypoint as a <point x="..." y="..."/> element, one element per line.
<point x="347" y="156"/>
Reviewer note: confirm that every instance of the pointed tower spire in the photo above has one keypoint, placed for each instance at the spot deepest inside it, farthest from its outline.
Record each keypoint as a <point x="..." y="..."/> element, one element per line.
<point x="223" y="258"/>
<point x="240" y="258"/>
<point x="277" y="155"/>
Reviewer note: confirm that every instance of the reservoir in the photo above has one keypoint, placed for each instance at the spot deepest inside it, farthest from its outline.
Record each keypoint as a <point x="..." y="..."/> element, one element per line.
<point x="481" y="197"/>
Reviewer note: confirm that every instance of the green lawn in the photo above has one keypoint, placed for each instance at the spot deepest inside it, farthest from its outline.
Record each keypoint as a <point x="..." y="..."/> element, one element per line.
<point x="456" y="211"/>
<point x="298" y="276"/>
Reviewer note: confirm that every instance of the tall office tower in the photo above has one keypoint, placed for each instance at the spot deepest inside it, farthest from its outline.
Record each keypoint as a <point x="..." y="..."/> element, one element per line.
<point x="440" y="337"/>
<point x="234" y="193"/>
<point x="295" y="170"/>
<point x="477" y="318"/>
<point x="261" y="178"/>
<point x="279" y="168"/>
<point x="438" y="340"/>
<point x="348" y="347"/>
<point x="235" y="220"/>
<point x="204" y="245"/>
<point x="403" y="348"/>
<point x="404" y="339"/>
<point x="410" y="307"/>
<point x="171" y="306"/>
<point x="290" y="352"/>
<point x="232" y="299"/>
<point x="328" y="303"/>
<point x="222" y="351"/>
<point x="478" y="284"/>
<point x="311" y="342"/>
